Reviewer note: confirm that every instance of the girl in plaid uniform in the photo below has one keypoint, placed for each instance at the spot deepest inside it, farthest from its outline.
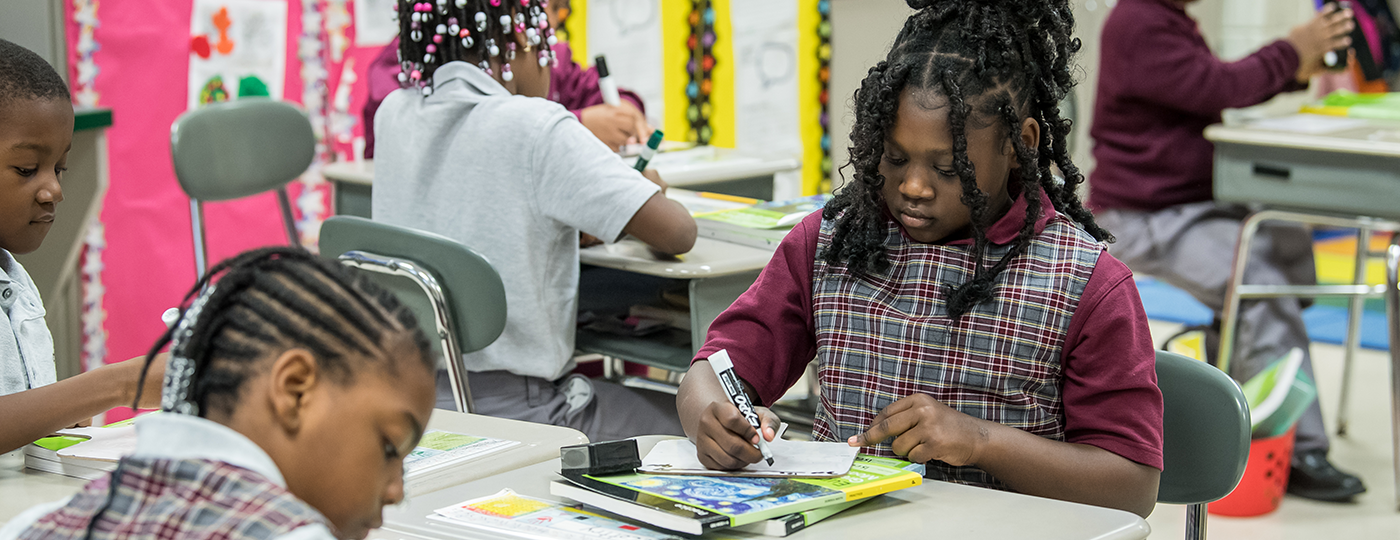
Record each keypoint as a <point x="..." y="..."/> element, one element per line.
<point x="292" y="395"/>
<point x="955" y="295"/>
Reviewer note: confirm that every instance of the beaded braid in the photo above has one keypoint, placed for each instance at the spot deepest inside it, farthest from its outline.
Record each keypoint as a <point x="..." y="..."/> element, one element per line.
<point x="995" y="61"/>
<point x="270" y="300"/>
<point x="434" y="33"/>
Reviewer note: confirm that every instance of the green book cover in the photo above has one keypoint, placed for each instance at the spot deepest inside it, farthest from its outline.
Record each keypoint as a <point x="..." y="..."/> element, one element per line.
<point x="745" y="500"/>
<point x="769" y="215"/>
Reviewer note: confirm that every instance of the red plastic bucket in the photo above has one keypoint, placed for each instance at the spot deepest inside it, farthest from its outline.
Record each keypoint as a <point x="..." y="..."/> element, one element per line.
<point x="1264" y="482"/>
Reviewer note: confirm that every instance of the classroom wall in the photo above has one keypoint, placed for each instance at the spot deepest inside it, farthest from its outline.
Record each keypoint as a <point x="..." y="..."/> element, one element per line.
<point x="861" y="34"/>
<point x="36" y="25"/>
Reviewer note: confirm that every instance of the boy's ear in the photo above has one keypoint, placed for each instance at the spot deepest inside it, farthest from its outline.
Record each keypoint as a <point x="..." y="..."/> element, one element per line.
<point x="295" y="374"/>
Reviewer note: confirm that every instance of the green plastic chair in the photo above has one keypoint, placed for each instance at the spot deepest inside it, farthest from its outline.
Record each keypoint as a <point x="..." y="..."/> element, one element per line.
<point x="239" y="148"/>
<point x="453" y="291"/>
<point x="1206" y="436"/>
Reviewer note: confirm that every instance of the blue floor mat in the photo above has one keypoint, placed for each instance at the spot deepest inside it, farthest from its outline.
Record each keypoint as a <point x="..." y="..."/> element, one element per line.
<point x="1326" y="324"/>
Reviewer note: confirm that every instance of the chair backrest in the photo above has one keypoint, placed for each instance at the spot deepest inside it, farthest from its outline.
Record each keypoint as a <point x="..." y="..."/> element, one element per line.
<point x="239" y="148"/>
<point x="475" y="295"/>
<point x="1206" y="424"/>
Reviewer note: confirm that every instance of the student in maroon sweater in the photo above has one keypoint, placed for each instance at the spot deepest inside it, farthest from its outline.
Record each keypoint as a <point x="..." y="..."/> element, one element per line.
<point x="1159" y="87"/>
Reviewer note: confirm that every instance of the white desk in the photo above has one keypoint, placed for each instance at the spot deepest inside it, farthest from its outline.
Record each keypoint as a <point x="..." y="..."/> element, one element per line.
<point x="20" y="488"/>
<point x="717" y="169"/>
<point x="626" y="273"/>
<point x="1349" y="177"/>
<point x="932" y="510"/>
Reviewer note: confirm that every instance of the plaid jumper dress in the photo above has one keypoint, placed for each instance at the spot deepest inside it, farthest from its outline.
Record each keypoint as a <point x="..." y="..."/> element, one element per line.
<point x="179" y="499"/>
<point x="881" y="337"/>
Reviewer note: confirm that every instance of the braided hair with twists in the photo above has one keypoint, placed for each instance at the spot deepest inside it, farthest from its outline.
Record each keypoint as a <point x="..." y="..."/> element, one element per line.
<point x="271" y="300"/>
<point x="433" y="33"/>
<point x="995" y="62"/>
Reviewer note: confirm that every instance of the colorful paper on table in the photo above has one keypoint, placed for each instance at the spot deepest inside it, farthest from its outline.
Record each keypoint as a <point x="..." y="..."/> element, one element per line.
<point x="439" y="449"/>
<point x="791" y="459"/>
<point x="509" y="513"/>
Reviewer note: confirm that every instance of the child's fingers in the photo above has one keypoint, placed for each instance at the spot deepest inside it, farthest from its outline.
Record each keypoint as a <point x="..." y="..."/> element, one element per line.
<point x="769" y="421"/>
<point x="890" y="426"/>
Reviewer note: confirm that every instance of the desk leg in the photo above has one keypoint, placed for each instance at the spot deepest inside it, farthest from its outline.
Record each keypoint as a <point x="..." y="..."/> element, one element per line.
<point x="1229" y="316"/>
<point x="1392" y="305"/>
<point x="1354" y="314"/>
<point x="711" y="296"/>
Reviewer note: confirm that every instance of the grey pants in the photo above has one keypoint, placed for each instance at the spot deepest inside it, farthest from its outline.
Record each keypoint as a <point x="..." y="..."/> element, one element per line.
<point x="1192" y="247"/>
<point x="602" y="410"/>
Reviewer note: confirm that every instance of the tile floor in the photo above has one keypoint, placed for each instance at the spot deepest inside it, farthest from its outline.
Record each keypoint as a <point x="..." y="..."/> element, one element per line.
<point x="1365" y="450"/>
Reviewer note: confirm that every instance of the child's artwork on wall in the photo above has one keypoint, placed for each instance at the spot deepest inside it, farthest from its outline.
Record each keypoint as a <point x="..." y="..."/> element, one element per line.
<point x="238" y="48"/>
<point x="374" y="22"/>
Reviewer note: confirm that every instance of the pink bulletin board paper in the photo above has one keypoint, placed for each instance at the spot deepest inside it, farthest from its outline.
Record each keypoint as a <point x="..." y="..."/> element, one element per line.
<point x="143" y="62"/>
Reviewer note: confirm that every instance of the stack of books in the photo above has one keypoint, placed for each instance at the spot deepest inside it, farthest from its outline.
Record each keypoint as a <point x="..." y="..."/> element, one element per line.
<point x="771" y="506"/>
<point x="435" y="463"/>
<point x="748" y="222"/>
<point x="87" y="452"/>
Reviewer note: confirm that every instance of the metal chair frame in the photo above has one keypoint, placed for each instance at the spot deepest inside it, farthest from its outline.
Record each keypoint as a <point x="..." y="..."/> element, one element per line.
<point x="446" y="326"/>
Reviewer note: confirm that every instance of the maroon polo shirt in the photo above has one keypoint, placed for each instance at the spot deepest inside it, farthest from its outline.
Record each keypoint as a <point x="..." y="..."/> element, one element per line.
<point x="1159" y="87"/>
<point x="1110" y="390"/>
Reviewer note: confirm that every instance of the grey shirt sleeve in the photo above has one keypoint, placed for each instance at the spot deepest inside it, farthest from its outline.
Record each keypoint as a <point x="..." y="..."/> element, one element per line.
<point x="584" y="184"/>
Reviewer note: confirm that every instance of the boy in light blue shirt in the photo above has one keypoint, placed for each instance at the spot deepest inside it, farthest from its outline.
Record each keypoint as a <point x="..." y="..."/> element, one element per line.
<point x="36" y="131"/>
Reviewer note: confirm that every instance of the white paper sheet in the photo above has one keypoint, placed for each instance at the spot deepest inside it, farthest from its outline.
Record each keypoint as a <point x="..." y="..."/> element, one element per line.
<point x="1309" y="123"/>
<point x="765" y="76"/>
<point x="374" y="22"/>
<point x="790" y="459"/>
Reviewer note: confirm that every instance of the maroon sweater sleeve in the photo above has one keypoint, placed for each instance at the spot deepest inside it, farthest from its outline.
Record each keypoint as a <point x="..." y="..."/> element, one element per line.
<point x="381" y="78"/>
<point x="1110" y="394"/>
<point x="769" y="331"/>
<point x="1169" y="63"/>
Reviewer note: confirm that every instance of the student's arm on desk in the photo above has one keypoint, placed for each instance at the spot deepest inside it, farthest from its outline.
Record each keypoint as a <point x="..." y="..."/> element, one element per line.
<point x="35" y="413"/>
<point x="662" y="223"/>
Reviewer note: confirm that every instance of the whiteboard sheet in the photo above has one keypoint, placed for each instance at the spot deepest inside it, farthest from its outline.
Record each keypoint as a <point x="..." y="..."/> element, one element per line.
<point x="790" y="459"/>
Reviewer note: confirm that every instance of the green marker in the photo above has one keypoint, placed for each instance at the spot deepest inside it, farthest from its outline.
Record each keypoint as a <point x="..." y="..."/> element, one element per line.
<point x="649" y="151"/>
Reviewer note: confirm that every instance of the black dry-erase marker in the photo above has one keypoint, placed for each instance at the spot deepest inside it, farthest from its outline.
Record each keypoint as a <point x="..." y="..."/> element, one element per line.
<point x="724" y="369"/>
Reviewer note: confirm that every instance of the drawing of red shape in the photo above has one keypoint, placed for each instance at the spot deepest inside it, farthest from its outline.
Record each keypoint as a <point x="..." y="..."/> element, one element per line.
<point x="200" y="46"/>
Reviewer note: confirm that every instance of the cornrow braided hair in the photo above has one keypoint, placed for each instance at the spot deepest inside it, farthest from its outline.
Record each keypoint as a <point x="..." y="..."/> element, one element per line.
<point x="270" y="300"/>
<point x="995" y="61"/>
<point x="433" y="33"/>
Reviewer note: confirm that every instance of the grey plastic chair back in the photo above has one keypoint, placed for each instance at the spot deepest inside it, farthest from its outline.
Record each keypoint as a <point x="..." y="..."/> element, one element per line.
<point x="1206" y="435"/>
<point x="455" y="293"/>
<point x="239" y="148"/>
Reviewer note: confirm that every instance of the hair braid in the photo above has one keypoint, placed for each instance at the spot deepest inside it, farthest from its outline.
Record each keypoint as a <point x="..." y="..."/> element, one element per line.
<point x="1001" y="61"/>
<point x="271" y="300"/>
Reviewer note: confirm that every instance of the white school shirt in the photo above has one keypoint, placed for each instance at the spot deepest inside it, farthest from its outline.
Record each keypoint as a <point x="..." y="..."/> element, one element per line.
<point x="180" y="436"/>
<point x="26" y="347"/>
<point x="516" y="179"/>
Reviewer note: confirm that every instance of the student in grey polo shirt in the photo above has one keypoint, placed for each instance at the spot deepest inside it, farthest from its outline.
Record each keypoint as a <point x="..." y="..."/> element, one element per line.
<point x="470" y="149"/>
<point x="36" y="130"/>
